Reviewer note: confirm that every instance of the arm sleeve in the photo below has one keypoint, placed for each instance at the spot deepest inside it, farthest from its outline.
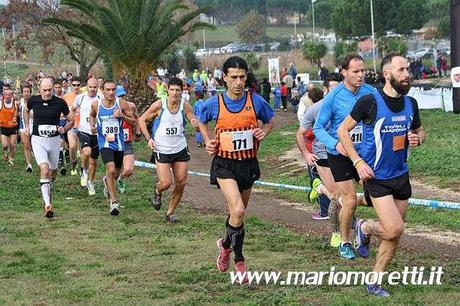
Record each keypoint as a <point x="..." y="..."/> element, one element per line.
<point x="362" y="109"/>
<point x="416" y="122"/>
<point x="65" y="108"/>
<point x="319" y="129"/>
<point x="209" y="110"/>
<point x="263" y="110"/>
<point x="309" y="118"/>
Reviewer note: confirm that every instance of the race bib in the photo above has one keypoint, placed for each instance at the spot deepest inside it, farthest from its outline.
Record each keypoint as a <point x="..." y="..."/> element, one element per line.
<point x="46" y="130"/>
<point x="236" y="141"/>
<point x="356" y="134"/>
<point x="126" y="134"/>
<point x="110" y="129"/>
<point x="173" y="129"/>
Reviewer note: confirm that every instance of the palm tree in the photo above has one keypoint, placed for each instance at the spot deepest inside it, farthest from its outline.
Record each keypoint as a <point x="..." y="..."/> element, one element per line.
<point x="132" y="34"/>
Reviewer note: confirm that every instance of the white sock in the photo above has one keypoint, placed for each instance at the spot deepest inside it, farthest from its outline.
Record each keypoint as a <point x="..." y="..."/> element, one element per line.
<point x="45" y="188"/>
<point x="85" y="172"/>
<point x="318" y="188"/>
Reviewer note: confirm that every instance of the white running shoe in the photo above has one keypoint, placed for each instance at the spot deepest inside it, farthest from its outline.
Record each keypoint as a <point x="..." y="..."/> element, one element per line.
<point x="106" y="189"/>
<point x="83" y="180"/>
<point x="91" y="189"/>
<point x="114" y="209"/>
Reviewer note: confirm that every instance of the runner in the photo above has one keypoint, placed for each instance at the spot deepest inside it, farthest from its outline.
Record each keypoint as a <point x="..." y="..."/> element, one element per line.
<point x="318" y="159"/>
<point x="128" y="131"/>
<point x="169" y="144"/>
<point x="88" y="140"/>
<point x="72" y="138"/>
<point x="45" y="136"/>
<point x="234" y="167"/>
<point x="25" y="137"/>
<point x="106" y="119"/>
<point x="8" y="125"/>
<point x="336" y="106"/>
<point x="391" y="125"/>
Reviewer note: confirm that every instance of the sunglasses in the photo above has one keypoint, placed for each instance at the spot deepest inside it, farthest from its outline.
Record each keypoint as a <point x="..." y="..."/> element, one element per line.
<point x="75" y="85"/>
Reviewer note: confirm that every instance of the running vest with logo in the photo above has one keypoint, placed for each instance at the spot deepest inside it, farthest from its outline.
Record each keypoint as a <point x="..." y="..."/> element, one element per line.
<point x="109" y="131"/>
<point x="83" y="103"/>
<point x="234" y="131"/>
<point x="168" y="130"/>
<point x="385" y="144"/>
<point x="7" y="113"/>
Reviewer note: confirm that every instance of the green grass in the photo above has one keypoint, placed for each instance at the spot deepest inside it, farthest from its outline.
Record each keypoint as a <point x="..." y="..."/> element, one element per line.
<point x="86" y="256"/>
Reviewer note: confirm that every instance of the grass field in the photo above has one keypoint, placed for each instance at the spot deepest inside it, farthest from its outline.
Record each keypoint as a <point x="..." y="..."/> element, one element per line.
<point x="87" y="257"/>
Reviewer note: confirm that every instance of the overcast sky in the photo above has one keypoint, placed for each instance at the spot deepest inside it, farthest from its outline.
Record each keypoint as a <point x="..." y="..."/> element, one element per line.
<point x="4" y="1"/>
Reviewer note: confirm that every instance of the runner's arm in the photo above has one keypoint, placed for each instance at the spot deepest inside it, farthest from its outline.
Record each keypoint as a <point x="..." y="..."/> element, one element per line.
<point x="127" y="113"/>
<point x="69" y="117"/>
<point x="148" y="116"/>
<point x="189" y="113"/>
<point x="322" y="121"/>
<point x="92" y="117"/>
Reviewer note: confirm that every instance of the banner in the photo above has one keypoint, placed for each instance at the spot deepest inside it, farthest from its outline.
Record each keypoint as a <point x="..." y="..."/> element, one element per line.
<point x="274" y="70"/>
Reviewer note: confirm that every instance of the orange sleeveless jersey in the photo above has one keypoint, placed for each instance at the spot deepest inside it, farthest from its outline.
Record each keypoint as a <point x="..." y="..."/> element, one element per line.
<point x="7" y="115"/>
<point x="127" y="131"/>
<point x="69" y="98"/>
<point x="228" y="121"/>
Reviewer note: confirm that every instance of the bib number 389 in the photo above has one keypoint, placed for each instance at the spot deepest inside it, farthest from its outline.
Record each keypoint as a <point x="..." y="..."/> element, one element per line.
<point x="110" y="129"/>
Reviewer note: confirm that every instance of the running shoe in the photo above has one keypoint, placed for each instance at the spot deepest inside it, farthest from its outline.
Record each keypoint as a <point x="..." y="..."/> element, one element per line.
<point x="223" y="259"/>
<point x="317" y="216"/>
<point x="156" y="200"/>
<point x="121" y="186"/>
<point x="63" y="171"/>
<point x="240" y="267"/>
<point x="91" y="189"/>
<point x="73" y="172"/>
<point x="49" y="211"/>
<point x="361" y="240"/>
<point x="106" y="188"/>
<point x="29" y="169"/>
<point x="114" y="209"/>
<point x="11" y="162"/>
<point x="377" y="290"/>
<point x="171" y="218"/>
<point x="83" y="180"/>
<point x="346" y="251"/>
<point x="313" y="194"/>
<point x="336" y="239"/>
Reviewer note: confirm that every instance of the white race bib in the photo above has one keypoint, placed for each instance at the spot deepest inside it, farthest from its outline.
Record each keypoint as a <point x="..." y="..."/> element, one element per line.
<point x="46" y="130"/>
<point x="126" y="134"/>
<point x="236" y="141"/>
<point x="173" y="129"/>
<point x="110" y="129"/>
<point x="356" y="134"/>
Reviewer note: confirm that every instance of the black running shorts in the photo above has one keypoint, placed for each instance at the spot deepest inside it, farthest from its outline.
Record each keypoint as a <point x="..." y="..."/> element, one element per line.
<point x="399" y="187"/>
<point x="109" y="155"/>
<point x="182" y="156"/>
<point x="342" y="168"/>
<point x="244" y="172"/>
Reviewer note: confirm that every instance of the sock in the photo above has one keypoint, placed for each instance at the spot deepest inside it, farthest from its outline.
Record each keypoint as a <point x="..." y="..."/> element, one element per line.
<point x="234" y="238"/>
<point x="85" y="172"/>
<point x="343" y="242"/>
<point x="318" y="188"/>
<point x="45" y="188"/>
<point x="74" y="165"/>
<point x="29" y="165"/>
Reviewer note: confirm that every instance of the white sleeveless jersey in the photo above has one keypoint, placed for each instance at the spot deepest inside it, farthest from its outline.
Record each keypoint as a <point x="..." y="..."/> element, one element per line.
<point x="83" y="102"/>
<point x="169" y="130"/>
<point x="22" y="110"/>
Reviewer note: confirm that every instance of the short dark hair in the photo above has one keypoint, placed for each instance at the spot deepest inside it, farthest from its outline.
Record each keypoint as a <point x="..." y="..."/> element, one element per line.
<point x="387" y="59"/>
<point x="26" y="86"/>
<point x="107" y="82"/>
<point x="76" y="78"/>
<point x="57" y="82"/>
<point x="175" y="81"/>
<point x="315" y="94"/>
<point x="333" y="77"/>
<point x="346" y="61"/>
<point x="6" y="85"/>
<point x="234" y="62"/>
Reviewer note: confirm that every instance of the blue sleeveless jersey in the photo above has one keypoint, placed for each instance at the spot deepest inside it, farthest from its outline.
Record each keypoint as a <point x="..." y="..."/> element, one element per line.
<point x="109" y="129"/>
<point x="385" y="145"/>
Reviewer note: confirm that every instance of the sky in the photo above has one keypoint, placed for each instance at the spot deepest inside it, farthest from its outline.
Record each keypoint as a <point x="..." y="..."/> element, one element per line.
<point x="4" y="1"/>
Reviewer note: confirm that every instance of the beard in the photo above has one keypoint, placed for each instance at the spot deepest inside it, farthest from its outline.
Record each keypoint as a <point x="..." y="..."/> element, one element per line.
<point x="399" y="87"/>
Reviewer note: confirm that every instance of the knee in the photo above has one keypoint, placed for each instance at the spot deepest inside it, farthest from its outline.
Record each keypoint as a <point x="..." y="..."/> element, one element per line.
<point x="181" y="183"/>
<point x="165" y="183"/>
<point x="240" y="212"/>
<point x="5" y="147"/>
<point x="111" y="171"/>
<point x="395" y="231"/>
<point x="127" y="172"/>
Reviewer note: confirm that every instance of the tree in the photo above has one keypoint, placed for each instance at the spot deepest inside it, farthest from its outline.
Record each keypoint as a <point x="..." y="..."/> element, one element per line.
<point x="342" y="48"/>
<point x="253" y="60"/>
<point x="252" y="28"/>
<point x="313" y="51"/>
<point x="133" y="34"/>
<point x="190" y="61"/>
<point x="388" y="44"/>
<point x="33" y="33"/>
<point x="417" y="12"/>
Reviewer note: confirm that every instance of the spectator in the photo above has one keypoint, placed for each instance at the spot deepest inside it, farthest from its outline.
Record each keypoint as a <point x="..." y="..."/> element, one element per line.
<point x="439" y="63"/>
<point x="323" y="73"/>
<point x="266" y="89"/>
<point x="284" y="95"/>
<point x="292" y="71"/>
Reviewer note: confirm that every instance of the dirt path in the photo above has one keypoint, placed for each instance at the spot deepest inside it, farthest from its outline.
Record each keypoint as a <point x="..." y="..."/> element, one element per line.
<point x="266" y="205"/>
